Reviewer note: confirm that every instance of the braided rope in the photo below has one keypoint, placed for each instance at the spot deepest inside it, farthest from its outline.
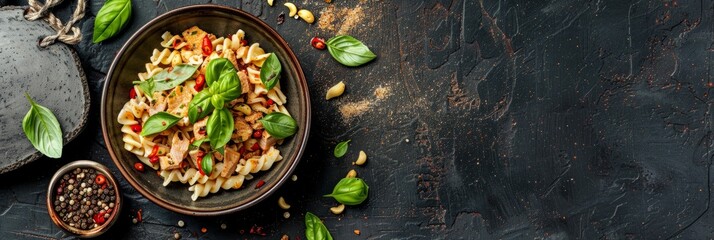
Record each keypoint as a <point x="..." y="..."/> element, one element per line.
<point x="66" y="33"/>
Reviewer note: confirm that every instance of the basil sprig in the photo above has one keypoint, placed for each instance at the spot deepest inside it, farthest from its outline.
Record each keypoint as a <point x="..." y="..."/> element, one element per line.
<point x="270" y="71"/>
<point x="110" y="19"/>
<point x="315" y="229"/>
<point x="207" y="164"/>
<point x="349" y="51"/>
<point x="341" y="148"/>
<point x="220" y="127"/>
<point x="279" y="125"/>
<point x="159" y="122"/>
<point x="350" y="191"/>
<point x="218" y="68"/>
<point x="42" y="129"/>
<point x="223" y="86"/>
<point x="165" y="79"/>
<point x="200" y="106"/>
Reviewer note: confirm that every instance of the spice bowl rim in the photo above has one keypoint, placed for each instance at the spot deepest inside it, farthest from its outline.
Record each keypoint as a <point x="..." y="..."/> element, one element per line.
<point x="51" y="192"/>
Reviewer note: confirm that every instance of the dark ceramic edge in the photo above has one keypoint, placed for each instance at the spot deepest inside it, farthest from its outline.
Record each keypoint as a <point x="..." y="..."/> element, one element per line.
<point x="305" y="105"/>
<point x="85" y="114"/>
<point x="50" y="192"/>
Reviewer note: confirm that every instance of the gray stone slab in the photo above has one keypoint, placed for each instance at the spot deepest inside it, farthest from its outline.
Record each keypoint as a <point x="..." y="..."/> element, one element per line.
<point x="53" y="76"/>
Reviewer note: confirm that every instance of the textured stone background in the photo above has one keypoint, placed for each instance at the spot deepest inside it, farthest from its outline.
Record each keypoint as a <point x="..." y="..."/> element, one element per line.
<point x="505" y="119"/>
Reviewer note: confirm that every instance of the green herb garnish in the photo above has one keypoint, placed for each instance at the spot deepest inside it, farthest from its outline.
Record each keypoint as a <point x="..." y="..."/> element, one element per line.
<point x="165" y="79"/>
<point x="350" y="191"/>
<point x="315" y="229"/>
<point x="110" y="19"/>
<point x="159" y="122"/>
<point x="270" y="71"/>
<point x="341" y="148"/>
<point x="43" y="130"/>
<point x="223" y="86"/>
<point x="279" y="125"/>
<point x="349" y="51"/>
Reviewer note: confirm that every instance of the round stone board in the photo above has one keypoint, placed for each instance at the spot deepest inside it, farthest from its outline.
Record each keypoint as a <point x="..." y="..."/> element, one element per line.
<point x="53" y="76"/>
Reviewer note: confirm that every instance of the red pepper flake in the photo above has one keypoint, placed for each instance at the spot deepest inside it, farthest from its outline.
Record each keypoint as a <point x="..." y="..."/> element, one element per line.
<point x="176" y="43"/>
<point x="199" y="160"/>
<point x="255" y="147"/>
<point x="200" y="82"/>
<point x="138" y="215"/>
<point x="241" y="151"/>
<point x="132" y="93"/>
<point x="243" y="42"/>
<point x="259" y="184"/>
<point x="257" y="230"/>
<point x="318" y="43"/>
<point x="257" y="134"/>
<point x="207" y="46"/>
<point x="154" y="159"/>
<point x="154" y="151"/>
<point x="139" y="167"/>
<point x="100" y="179"/>
<point x="136" y="128"/>
<point x="99" y="218"/>
<point x="269" y="102"/>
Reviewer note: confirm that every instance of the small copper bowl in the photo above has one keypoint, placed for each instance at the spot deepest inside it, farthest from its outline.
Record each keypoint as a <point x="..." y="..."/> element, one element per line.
<point x="52" y="192"/>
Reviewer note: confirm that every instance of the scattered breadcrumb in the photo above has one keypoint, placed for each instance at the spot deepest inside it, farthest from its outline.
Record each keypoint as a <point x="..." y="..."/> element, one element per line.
<point x="345" y="18"/>
<point x="350" y="110"/>
<point x="382" y="92"/>
<point x="354" y="109"/>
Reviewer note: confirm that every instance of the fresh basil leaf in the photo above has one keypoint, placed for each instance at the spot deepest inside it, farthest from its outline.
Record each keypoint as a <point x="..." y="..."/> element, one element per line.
<point x="227" y="86"/>
<point x="167" y="79"/>
<point x="349" y="51"/>
<point x="217" y="101"/>
<point x="270" y="71"/>
<point x="146" y="86"/>
<point x="220" y="127"/>
<point x="207" y="164"/>
<point x="217" y="68"/>
<point x="198" y="143"/>
<point x="341" y="148"/>
<point x="200" y="106"/>
<point x="158" y="123"/>
<point x="43" y="130"/>
<point x="110" y="19"/>
<point x="350" y="191"/>
<point x="315" y="229"/>
<point x="279" y="125"/>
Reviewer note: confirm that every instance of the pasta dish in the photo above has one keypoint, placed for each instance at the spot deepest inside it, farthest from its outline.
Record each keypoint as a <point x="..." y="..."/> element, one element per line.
<point x="208" y="112"/>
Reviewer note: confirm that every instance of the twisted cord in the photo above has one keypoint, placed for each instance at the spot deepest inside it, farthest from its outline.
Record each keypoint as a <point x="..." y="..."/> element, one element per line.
<point x="66" y="33"/>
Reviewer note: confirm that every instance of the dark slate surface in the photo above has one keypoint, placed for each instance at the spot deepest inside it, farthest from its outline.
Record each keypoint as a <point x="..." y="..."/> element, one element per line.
<point x="511" y="120"/>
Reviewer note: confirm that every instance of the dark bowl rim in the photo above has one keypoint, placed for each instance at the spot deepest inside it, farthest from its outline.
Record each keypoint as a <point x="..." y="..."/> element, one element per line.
<point x="94" y="232"/>
<point x="302" y="81"/>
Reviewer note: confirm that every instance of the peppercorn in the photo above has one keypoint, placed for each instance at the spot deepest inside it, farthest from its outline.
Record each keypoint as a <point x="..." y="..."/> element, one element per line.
<point x="77" y="196"/>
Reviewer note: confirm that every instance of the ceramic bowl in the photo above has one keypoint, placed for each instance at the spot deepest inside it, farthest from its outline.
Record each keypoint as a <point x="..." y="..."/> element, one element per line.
<point x="130" y="60"/>
<point x="52" y="192"/>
